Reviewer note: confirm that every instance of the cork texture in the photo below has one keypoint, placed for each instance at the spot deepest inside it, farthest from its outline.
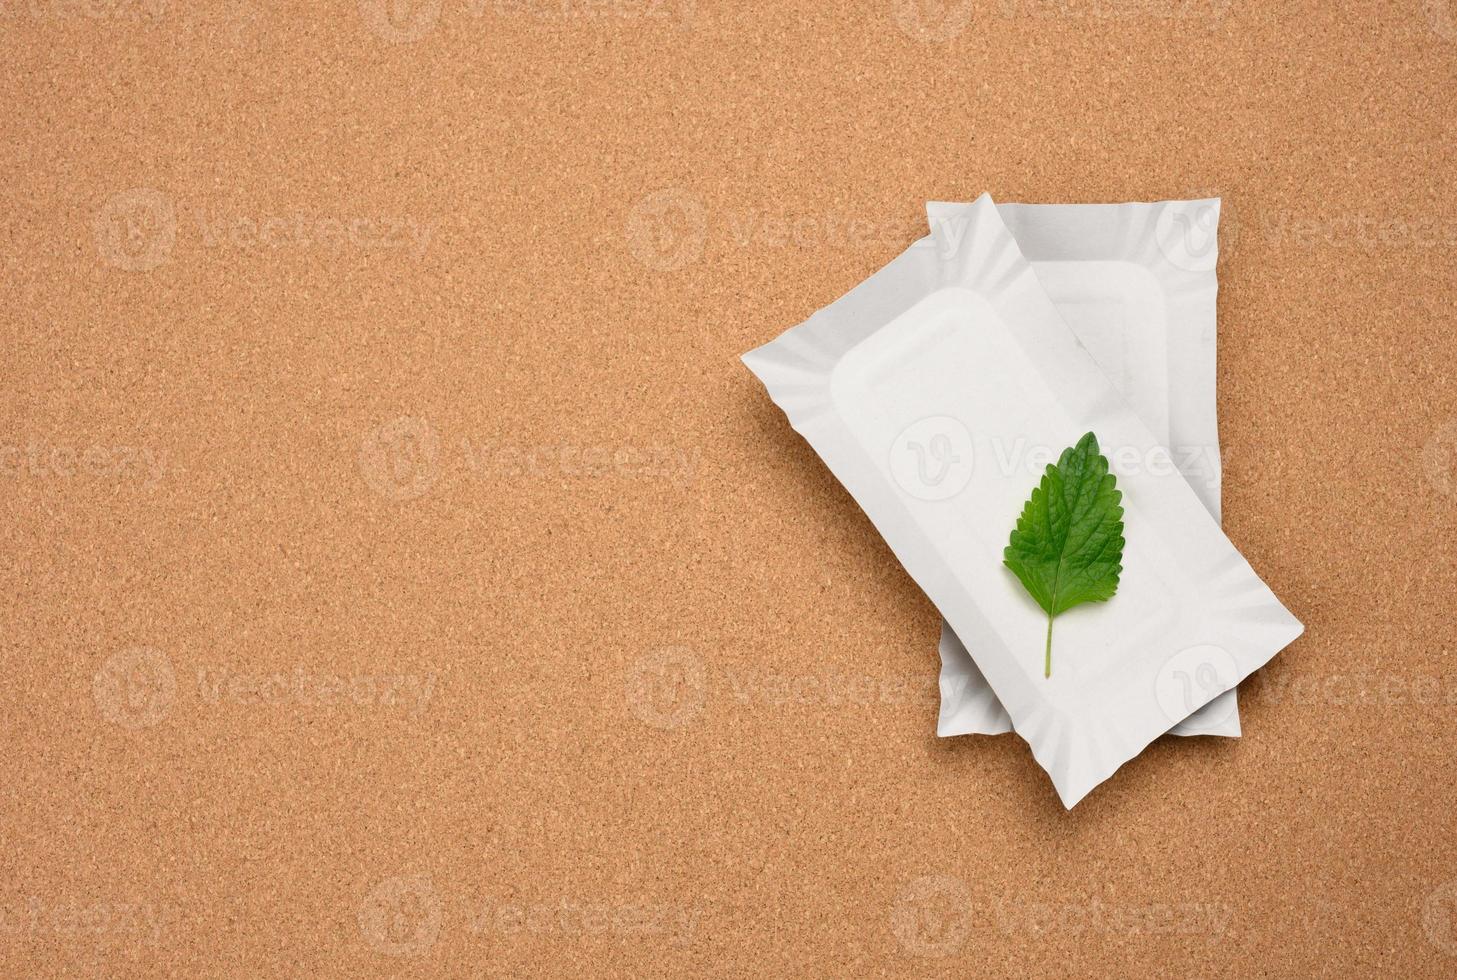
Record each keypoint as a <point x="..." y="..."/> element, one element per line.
<point x="405" y="578"/>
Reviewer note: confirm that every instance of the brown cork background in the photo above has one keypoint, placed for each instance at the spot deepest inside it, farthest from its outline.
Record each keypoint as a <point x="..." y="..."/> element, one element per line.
<point x="403" y="577"/>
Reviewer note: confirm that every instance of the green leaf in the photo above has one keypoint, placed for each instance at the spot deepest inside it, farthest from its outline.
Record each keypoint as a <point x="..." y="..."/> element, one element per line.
<point x="1068" y="543"/>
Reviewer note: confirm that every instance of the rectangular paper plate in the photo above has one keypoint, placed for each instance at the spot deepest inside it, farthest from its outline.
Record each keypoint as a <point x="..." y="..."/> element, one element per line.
<point x="1136" y="283"/>
<point x="910" y="411"/>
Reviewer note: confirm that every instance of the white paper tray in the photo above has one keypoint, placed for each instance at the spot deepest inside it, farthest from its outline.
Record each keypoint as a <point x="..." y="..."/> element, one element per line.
<point x="986" y="358"/>
<point x="1136" y="283"/>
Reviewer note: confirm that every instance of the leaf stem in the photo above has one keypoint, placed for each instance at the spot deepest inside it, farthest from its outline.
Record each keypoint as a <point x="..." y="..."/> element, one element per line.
<point x="1047" y="663"/>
